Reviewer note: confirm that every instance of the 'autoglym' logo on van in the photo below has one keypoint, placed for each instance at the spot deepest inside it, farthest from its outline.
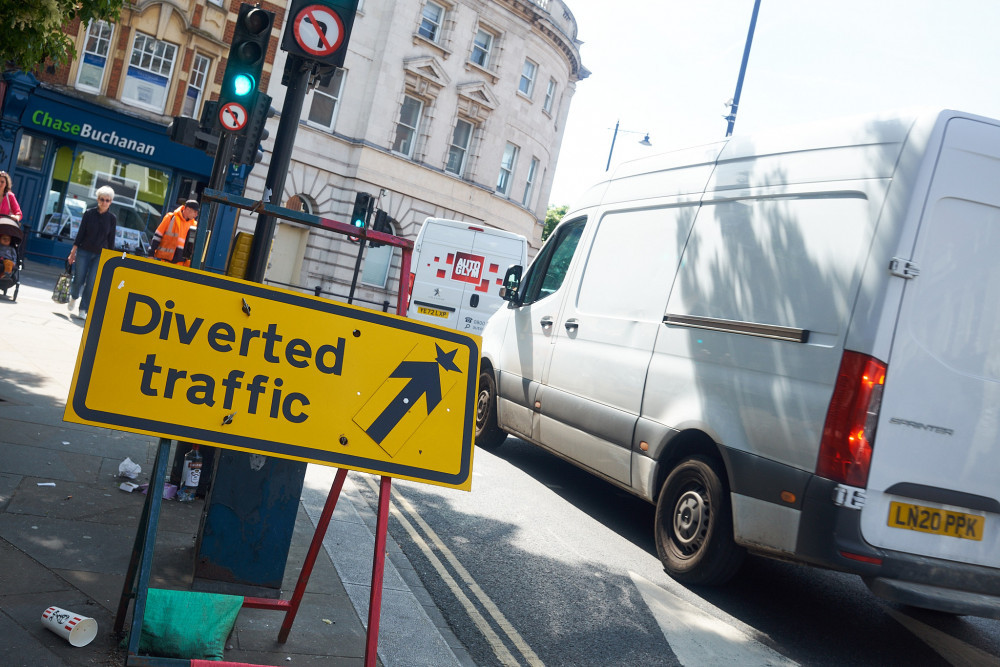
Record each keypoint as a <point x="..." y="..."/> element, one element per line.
<point x="468" y="268"/>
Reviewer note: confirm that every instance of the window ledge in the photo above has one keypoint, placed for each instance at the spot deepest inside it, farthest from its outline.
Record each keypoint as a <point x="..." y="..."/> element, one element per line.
<point x="420" y="39"/>
<point x="524" y="97"/>
<point x="469" y="65"/>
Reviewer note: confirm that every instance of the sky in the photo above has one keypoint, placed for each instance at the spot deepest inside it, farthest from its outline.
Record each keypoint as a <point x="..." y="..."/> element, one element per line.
<point x="668" y="67"/>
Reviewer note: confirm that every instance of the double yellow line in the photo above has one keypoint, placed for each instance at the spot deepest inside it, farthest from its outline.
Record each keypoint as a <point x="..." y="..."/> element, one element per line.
<point x="431" y="546"/>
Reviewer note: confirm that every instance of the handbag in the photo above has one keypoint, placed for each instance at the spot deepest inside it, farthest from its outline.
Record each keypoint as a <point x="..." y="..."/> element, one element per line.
<point x="60" y="294"/>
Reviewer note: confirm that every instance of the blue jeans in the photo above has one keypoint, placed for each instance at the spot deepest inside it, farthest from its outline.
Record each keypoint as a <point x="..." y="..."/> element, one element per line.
<point x="84" y="273"/>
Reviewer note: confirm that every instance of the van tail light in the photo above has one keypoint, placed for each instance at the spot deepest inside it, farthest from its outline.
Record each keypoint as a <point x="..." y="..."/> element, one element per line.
<point x="845" y="453"/>
<point x="409" y="290"/>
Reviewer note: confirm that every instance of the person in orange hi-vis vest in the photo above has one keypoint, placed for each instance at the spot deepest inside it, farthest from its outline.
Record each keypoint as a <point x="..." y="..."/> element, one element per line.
<point x="171" y="236"/>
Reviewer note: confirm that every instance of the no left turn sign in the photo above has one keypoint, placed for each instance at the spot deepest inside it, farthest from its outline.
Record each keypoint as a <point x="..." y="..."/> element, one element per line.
<point x="233" y="116"/>
<point x="318" y="30"/>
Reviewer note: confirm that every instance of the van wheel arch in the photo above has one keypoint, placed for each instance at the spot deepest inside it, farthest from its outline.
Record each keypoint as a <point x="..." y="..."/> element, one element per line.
<point x="694" y="518"/>
<point x="489" y="435"/>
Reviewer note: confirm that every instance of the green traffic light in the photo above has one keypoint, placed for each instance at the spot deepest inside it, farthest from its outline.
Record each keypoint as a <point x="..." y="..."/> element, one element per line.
<point x="359" y="223"/>
<point x="243" y="84"/>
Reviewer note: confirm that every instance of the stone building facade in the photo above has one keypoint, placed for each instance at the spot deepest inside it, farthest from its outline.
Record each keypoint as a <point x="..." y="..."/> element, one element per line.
<point x="444" y="108"/>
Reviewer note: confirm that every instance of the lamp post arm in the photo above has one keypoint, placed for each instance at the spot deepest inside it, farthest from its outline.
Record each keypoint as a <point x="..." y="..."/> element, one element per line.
<point x="613" y="137"/>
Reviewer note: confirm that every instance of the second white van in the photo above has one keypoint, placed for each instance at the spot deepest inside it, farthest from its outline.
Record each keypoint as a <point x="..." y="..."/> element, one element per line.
<point x="789" y="343"/>
<point x="457" y="272"/>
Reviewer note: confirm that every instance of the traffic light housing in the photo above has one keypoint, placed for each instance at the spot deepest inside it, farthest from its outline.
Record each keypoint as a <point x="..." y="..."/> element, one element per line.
<point x="363" y="204"/>
<point x="247" y="149"/>
<point x="382" y="223"/>
<point x="319" y="30"/>
<point x="245" y="66"/>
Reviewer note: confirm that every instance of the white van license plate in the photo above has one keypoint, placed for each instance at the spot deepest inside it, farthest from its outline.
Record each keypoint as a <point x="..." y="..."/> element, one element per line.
<point x="935" y="521"/>
<point x="432" y="312"/>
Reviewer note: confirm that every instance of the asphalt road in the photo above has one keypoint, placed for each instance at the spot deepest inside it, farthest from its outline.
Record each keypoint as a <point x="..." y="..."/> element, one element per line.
<point x="543" y="564"/>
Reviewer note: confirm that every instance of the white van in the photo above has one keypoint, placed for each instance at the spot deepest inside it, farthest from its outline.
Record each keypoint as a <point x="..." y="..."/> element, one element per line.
<point x="790" y="343"/>
<point x="457" y="272"/>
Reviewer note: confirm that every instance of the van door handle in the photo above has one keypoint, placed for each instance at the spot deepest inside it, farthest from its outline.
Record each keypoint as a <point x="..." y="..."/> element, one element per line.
<point x="572" y="325"/>
<point x="546" y="322"/>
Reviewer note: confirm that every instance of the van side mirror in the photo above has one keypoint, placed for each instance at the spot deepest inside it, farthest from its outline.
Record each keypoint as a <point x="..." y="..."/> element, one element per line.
<point x="511" y="284"/>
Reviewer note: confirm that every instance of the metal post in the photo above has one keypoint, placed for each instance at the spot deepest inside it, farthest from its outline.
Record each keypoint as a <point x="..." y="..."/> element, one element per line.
<point x="223" y="156"/>
<point x="357" y="269"/>
<point x="743" y="69"/>
<point x="284" y="142"/>
<point x="613" y="137"/>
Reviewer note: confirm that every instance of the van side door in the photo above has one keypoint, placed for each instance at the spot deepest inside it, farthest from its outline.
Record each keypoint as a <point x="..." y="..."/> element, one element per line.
<point x="603" y="341"/>
<point x="526" y="348"/>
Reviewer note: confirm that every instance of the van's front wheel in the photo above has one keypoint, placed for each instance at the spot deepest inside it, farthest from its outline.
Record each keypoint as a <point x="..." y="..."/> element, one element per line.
<point x="694" y="525"/>
<point x="489" y="435"/>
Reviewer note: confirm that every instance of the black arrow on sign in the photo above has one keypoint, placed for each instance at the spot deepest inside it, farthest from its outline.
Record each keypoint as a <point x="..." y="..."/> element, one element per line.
<point x="424" y="379"/>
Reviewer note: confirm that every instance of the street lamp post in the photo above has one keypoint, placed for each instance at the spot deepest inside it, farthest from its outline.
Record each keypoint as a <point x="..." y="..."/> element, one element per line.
<point x="645" y="142"/>
<point x="731" y="118"/>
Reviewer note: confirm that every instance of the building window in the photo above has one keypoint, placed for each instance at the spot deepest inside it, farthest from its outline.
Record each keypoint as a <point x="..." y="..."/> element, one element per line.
<point x="376" y="267"/>
<point x="459" y="150"/>
<point x="431" y="19"/>
<point x="90" y="74"/>
<point x="406" y="128"/>
<point x="196" y="86"/>
<point x="529" y="185"/>
<point x="325" y="101"/>
<point x="550" y="96"/>
<point x="527" y="84"/>
<point x="150" y="67"/>
<point x="482" y="45"/>
<point x="507" y="168"/>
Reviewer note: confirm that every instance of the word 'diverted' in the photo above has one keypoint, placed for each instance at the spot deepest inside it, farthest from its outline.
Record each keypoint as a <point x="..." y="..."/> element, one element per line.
<point x="144" y="316"/>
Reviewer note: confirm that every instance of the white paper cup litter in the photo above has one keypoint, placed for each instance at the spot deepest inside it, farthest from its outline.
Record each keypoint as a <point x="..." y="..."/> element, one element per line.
<point x="76" y="629"/>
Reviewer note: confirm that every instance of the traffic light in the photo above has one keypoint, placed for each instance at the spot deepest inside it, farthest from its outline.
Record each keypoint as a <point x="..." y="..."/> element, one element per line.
<point x="320" y="30"/>
<point x="363" y="203"/>
<point x="382" y="223"/>
<point x="247" y="149"/>
<point x="246" y="63"/>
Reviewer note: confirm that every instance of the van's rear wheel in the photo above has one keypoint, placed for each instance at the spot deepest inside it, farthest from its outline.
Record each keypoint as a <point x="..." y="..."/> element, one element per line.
<point x="489" y="435"/>
<point x="694" y="525"/>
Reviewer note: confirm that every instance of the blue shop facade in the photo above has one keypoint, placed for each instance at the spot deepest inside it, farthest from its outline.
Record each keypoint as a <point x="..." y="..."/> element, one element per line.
<point x="59" y="149"/>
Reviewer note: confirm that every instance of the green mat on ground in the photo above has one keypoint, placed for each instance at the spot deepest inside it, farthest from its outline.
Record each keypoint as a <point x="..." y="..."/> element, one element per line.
<point x="186" y="624"/>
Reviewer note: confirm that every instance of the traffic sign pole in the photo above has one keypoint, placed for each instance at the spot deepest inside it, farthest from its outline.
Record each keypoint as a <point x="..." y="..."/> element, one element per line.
<point x="281" y="157"/>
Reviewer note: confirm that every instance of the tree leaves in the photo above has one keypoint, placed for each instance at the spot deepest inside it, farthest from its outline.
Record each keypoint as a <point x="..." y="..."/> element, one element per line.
<point x="33" y="29"/>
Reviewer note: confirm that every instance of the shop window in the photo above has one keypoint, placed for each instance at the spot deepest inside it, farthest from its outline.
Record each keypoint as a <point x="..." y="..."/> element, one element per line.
<point x="507" y="169"/>
<point x="406" y="128"/>
<point x="196" y="86"/>
<point x="31" y="152"/>
<point x="140" y="192"/>
<point x="147" y="78"/>
<point x="326" y="102"/>
<point x="90" y="74"/>
<point x="458" y="153"/>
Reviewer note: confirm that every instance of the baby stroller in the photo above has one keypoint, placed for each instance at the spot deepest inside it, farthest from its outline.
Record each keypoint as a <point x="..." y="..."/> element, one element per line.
<point x="10" y="227"/>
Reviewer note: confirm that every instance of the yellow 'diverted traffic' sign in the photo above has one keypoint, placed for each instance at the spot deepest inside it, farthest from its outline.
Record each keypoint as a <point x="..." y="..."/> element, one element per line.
<point x="190" y="355"/>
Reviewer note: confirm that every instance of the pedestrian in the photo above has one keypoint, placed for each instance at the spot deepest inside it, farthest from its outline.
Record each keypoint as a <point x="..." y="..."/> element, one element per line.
<point x="170" y="239"/>
<point x="97" y="232"/>
<point x="8" y="203"/>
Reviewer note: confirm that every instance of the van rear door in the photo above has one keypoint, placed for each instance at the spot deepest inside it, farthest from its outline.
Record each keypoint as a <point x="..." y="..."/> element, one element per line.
<point x="481" y="273"/>
<point x="458" y="272"/>
<point x="436" y="296"/>
<point x="934" y="482"/>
